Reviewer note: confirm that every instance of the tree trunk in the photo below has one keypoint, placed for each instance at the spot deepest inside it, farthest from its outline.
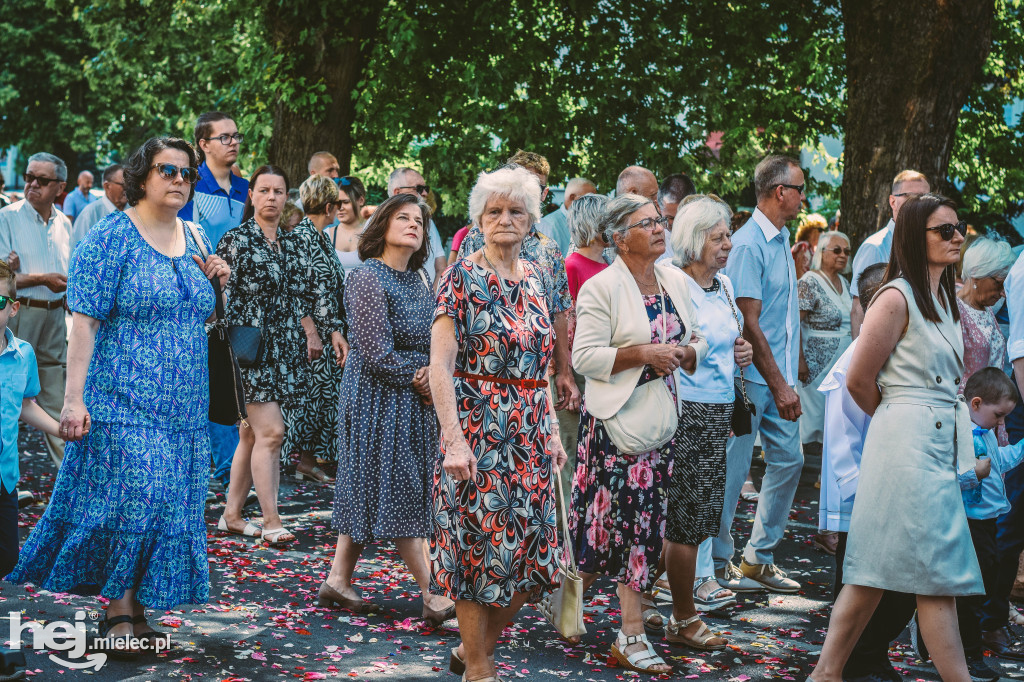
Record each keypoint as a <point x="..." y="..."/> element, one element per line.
<point x="909" y="68"/>
<point x="330" y="50"/>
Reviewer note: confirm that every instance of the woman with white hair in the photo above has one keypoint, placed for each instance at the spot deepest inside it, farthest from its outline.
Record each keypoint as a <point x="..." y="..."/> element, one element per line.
<point x="493" y="544"/>
<point x="985" y="265"/>
<point x="696" y="492"/>
<point x="634" y="329"/>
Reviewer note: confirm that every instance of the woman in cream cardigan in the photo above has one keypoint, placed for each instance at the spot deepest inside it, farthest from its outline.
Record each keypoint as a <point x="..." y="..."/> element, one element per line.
<point x="634" y="325"/>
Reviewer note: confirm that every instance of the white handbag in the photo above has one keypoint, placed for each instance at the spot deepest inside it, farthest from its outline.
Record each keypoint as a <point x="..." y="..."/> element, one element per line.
<point x="649" y="418"/>
<point x="563" y="607"/>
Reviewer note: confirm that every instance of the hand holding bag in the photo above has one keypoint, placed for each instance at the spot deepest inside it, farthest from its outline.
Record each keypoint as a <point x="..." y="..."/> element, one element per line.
<point x="649" y="418"/>
<point x="563" y="608"/>
<point x="742" y="409"/>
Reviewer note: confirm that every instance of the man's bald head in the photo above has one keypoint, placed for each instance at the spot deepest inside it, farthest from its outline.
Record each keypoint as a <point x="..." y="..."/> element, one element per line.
<point x="85" y="180"/>
<point x="325" y="164"/>
<point x="637" y="180"/>
<point x="576" y="188"/>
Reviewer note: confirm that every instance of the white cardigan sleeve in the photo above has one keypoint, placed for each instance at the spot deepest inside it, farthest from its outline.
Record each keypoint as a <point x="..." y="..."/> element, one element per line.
<point x="593" y="356"/>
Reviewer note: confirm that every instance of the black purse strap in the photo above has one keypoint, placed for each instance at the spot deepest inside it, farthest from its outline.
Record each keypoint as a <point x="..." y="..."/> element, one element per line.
<point x="218" y="303"/>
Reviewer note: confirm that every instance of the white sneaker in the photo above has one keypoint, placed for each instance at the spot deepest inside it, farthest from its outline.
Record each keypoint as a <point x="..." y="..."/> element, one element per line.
<point x="731" y="579"/>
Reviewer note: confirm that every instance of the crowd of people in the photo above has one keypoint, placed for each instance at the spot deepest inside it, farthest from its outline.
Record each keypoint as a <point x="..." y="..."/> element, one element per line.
<point x="609" y="369"/>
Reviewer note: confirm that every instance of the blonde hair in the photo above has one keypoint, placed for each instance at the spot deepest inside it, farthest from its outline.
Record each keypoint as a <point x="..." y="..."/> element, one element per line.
<point x="316" y="192"/>
<point x="7" y="275"/>
<point x="811" y="221"/>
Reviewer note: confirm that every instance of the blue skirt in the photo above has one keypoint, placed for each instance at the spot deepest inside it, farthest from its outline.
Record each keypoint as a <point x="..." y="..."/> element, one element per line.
<point x="126" y="514"/>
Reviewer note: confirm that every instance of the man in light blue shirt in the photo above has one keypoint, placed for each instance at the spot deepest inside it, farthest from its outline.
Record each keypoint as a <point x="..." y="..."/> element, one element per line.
<point x="80" y="197"/>
<point x="556" y="225"/>
<point x="764" y="278"/>
<point x="877" y="247"/>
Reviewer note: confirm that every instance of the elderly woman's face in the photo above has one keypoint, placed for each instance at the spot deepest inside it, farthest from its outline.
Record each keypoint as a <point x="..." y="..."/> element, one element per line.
<point x="832" y="261"/>
<point x="716" y="247"/>
<point x="645" y="238"/>
<point x="505" y="221"/>
<point x="987" y="291"/>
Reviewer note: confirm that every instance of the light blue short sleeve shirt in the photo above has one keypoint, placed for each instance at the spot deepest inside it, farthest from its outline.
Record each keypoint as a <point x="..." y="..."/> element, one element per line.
<point x="19" y="377"/>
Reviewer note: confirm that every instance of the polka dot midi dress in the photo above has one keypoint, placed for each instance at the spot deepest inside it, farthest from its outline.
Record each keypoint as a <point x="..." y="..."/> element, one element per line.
<point x="388" y="436"/>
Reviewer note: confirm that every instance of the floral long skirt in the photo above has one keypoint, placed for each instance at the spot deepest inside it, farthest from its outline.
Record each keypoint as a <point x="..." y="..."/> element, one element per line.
<point x="618" y="507"/>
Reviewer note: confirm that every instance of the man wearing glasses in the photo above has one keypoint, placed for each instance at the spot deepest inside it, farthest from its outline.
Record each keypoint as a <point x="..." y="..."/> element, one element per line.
<point x="113" y="199"/>
<point x="217" y="205"/>
<point x="764" y="278"/>
<point x="37" y="238"/>
<point x="410" y="181"/>
<point x="877" y="247"/>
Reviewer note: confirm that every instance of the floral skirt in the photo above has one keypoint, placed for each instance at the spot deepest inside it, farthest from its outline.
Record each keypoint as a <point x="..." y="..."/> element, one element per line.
<point x="619" y="503"/>
<point x="126" y="514"/>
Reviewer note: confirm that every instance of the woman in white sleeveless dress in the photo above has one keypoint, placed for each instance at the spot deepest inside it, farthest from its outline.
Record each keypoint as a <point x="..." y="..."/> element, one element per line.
<point x="908" y="532"/>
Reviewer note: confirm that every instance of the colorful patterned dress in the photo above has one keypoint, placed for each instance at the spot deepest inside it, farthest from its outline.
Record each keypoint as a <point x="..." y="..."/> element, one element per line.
<point x="619" y="501"/>
<point x="127" y="506"/>
<point x="494" y="536"/>
<point x="984" y="346"/>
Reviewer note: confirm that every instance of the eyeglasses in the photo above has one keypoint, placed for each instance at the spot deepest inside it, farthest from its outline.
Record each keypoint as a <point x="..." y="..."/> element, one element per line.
<point x="168" y="171"/>
<point x="648" y="224"/>
<point x="912" y="195"/>
<point x="5" y="301"/>
<point x="420" y="189"/>
<point x="39" y="180"/>
<point x="113" y="182"/>
<point x="226" y="139"/>
<point x="840" y="250"/>
<point x="946" y="231"/>
<point x="798" y="188"/>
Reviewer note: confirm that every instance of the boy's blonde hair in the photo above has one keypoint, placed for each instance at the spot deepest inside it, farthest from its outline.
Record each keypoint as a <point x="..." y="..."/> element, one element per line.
<point x="7" y="275"/>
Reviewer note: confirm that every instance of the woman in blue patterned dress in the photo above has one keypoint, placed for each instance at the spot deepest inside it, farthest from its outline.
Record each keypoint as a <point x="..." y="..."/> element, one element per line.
<point x="126" y="516"/>
<point x="493" y="545"/>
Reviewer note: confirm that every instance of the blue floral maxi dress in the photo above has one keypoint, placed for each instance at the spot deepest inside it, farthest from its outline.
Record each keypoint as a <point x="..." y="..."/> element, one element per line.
<point x="388" y="440"/>
<point x="127" y="505"/>
<point x="494" y="536"/>
<point x="619" y="502"/>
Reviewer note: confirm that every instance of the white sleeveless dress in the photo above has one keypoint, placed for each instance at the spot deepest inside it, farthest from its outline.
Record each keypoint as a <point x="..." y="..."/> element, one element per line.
<point x="908" y="530"/>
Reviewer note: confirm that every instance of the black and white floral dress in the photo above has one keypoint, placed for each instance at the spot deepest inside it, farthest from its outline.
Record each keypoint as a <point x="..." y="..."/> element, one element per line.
<point x="311" y="418"/>
<point x="267" y="289"/>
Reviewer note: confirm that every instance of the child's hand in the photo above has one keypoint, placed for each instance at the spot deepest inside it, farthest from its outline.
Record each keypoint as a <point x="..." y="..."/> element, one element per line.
<point x="983" y="468"/>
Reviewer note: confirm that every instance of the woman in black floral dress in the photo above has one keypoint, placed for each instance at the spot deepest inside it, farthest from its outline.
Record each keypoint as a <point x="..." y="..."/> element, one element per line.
<point x="268" y="289"/>
<point x="311" y="419"/>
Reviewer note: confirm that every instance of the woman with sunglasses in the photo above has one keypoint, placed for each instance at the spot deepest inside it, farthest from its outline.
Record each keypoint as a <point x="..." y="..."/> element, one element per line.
<point x="908" y="531"/>
<point x="345" y="233"/>
<point x="126" y="517"/>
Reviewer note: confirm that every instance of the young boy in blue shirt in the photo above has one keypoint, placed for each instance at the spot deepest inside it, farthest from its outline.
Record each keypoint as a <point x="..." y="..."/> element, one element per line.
<point x="19" y="383"/>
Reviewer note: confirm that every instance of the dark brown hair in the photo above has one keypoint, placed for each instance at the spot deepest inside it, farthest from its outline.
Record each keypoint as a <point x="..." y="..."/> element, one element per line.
<point x="262" y="170"/>
<point x="371" y="242"/>
<point x="204" y="125"/>
<point x="991" y="385"/>
<point x="136" y="168"/>
<point x="909" y="258"/>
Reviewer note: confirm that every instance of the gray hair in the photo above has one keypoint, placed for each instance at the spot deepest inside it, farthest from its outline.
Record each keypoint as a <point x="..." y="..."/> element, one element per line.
<point x="585" y="217"/>
<point x="396" y="177"/>
<point x="699" y="214"/>
<point x="988" y="257"/>
<point x="773" y="171"/>
<point x="824" y="239"/>
<point x="513" y="182"/>
<point x="616" y="216"/>
<point x="60" y="168"/>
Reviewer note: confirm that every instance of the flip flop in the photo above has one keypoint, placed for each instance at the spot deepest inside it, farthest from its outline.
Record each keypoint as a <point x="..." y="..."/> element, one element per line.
<point x="250" y="531"/>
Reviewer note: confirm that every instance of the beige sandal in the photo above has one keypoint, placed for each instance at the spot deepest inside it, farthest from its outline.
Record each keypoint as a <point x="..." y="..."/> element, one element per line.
<point x="1016" y="617"/>
<point x="674" y="634"/>
<point x="638" y="661"/>
<point x="650" y="613"/>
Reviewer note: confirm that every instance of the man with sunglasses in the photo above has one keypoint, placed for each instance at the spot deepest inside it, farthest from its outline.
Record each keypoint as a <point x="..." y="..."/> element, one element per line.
<point x="113" y="199"/>
<point x="409" y="181"/>
<point x="877" y="247"/>
<point x="38" y="238"/>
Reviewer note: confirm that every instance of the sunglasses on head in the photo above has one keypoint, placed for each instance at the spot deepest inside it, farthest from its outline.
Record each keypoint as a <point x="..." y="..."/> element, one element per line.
<point x="5" y="301"/>
<point x="840" y="250"/>
<point x="39" y="179"/>
<point x="346" y="181"/>
<point x="946" y="231"/>
<point x="168" y="171"/>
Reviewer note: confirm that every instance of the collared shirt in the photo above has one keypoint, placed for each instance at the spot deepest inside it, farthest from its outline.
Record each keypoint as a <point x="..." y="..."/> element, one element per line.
<point x="213" y="208"/>
<point x="988" y="500"/>
<point x="19" y="378"/>
<point x="845" y="428"/>
<point x="436" y="249"/>
<point x="875" y="249"/>
<point x="543" y="252"/>
<point x="761" y="267"/>
<point x="75" y="202"/>
<point x="556" y="226"/>
<point x="42" y="247"/>
<point x="1014" y="288"/>
<point x="89" y="216"/>
<point x="712" y="381"/>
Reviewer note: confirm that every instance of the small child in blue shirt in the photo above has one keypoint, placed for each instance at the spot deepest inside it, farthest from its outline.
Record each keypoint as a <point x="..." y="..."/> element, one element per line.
<point x="19" y="383"/>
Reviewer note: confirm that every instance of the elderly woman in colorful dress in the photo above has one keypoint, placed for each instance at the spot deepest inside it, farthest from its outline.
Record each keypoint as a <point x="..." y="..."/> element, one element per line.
<point x="634" y="325"/>
<point x="491" y="345"/>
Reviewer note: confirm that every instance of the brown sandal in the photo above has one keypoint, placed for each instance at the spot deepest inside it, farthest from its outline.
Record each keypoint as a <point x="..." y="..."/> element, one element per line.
<point x="674" y="634"/>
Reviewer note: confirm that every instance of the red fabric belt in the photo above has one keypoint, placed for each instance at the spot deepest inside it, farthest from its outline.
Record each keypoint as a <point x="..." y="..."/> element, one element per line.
<point x="521" y="383"/>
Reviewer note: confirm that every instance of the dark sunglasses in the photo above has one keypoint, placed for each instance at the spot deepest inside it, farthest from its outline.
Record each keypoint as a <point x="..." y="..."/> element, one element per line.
<point x="168" y="171"/>
<point x="5" y="301"/>
<point x="420" y="189"/>
<point x="40" y="180"/>
<point x="798" y="188"/>
<point x="946" y="231"/>
<point x="840" y="250"/>
<point x="226" y="139"/>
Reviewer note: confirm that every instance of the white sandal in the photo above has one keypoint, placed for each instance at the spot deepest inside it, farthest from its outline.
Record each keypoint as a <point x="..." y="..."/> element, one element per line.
<point x="270" y="537"/>
<point x="700" y="639"/>
<point x="650" y="612"/>
<point x="250" y="531"/>
<point x="639" y="661"/>
<point x="1016" y="617"/>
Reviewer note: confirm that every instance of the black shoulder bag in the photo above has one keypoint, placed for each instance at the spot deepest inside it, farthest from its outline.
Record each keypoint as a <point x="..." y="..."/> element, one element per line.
<point x="742" y="408"/>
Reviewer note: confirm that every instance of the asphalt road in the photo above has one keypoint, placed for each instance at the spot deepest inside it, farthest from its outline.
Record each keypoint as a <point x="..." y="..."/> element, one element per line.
<point x="262" y="622"/>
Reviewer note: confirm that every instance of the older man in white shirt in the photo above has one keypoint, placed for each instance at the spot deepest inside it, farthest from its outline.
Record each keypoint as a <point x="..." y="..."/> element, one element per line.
<point x="36" y="237"/>
<point x="113" y="199"/>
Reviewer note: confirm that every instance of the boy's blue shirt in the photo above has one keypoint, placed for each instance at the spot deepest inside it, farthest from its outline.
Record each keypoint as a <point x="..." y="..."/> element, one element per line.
<point x="988" y="500"/>
<point x="19" y="379"/>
